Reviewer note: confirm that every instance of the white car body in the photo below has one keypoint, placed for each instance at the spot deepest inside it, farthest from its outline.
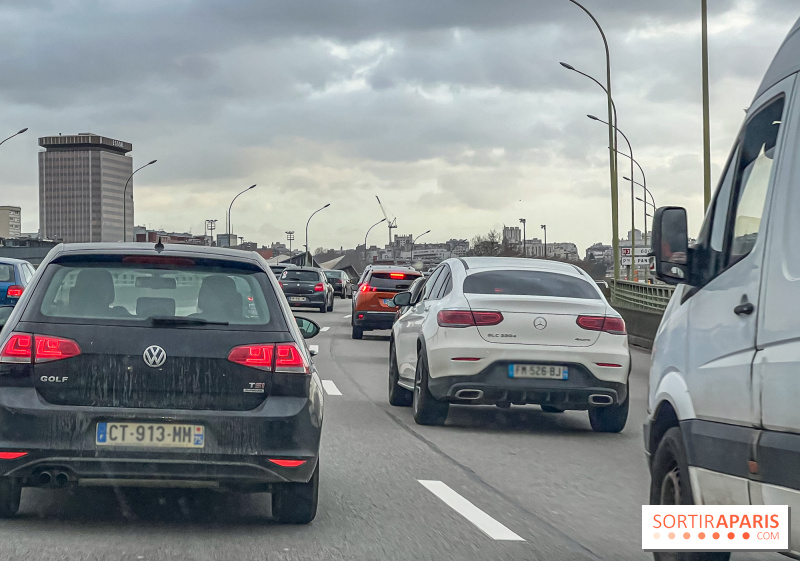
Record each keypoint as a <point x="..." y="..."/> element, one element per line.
<point x="471" y="364"/>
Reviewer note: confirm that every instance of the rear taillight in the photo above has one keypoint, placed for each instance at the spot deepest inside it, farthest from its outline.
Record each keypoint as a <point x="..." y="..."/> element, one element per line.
<point x="283" y="357"/>
<point x="280" y="284"/>
<point x="287" y="463"/>
<point x="367" y="288"/>
<point x="20" y="348"/>
<point x="12" y="455"/>
<point x="614" y="326"/>
<point x="467" y="318"/>
<point x="319" y="287"/>
<point x="14" y="291"/>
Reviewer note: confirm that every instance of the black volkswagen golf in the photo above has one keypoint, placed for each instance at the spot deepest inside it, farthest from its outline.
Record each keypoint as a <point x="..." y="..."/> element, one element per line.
<point x="149" y="365"/>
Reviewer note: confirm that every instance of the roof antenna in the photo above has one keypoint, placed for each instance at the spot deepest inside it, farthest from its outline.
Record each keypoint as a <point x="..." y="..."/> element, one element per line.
<point x="159" y="246"/>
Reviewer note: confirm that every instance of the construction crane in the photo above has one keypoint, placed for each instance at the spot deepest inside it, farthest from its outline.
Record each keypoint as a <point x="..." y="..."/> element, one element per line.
<point x="391" y="222"/>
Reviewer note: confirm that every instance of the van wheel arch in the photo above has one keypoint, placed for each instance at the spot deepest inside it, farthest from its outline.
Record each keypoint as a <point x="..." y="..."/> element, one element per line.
<point x="665" y="418"/>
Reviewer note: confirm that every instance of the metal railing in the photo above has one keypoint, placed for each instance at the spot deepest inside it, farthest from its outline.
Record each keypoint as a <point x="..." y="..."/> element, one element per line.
<point x="640" y="296"/>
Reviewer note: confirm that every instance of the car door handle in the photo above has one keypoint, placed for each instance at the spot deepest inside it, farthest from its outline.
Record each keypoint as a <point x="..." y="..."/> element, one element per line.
<point x="744" y="309"/>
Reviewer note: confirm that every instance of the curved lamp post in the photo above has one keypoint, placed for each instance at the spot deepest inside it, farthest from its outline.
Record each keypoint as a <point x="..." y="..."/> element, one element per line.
<point x="367" y="235"/>
<point x="15" y="134"/>
<point x="229" y="228"/>
<point x="415" y="241"/>
<point x="125" y="199"/>
<point x="307" y="223"/>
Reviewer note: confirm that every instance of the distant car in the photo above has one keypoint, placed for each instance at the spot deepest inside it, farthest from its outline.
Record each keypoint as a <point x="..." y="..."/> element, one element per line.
<point x="340" y="282"/>
<point x="278" y="269"/>
<point x="416" y="287"/>
<point x="15" y="274"/>
<point x="307" y="287"/>
<point x="159" y="366"/>
<point x="372" y="303"/>
<point x="492" y="330"/>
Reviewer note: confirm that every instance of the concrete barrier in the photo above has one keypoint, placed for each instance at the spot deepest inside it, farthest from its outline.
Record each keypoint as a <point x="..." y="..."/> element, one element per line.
<point x="642" y="325"/>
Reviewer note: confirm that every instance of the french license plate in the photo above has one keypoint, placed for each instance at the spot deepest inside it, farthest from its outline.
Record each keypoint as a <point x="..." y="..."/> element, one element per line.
<point x="150" y="434"/>
<point x="546" y="371"/>
<point x="297" y="298"/>
<point x="388" y="302"/>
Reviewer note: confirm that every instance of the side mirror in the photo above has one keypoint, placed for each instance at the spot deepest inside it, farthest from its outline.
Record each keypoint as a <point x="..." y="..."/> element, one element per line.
<point x="5" y="313"/>
<point x="309" y="328"/>
<point x="313" y="350"/>
<point x="402" y="299"/>
<point x="671" y="245"/>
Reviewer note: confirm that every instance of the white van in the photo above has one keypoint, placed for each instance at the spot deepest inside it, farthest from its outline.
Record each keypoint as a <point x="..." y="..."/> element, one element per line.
<point x="723" y="422"/>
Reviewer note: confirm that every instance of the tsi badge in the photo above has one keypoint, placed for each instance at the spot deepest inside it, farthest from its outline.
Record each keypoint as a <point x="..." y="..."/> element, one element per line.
<point x="255" y="387"/>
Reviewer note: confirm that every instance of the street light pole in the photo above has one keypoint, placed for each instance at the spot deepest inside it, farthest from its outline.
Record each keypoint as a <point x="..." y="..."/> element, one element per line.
<point x="544" y="227"/>
<point x="612" y="141"/>
<point x="211" y="225"/>
<point x="229" y="227"/>
<point x="367" y="235"/>
<point x="290" y="237"/>
<point x="125" y="199"/>
<point x="706" y="109"/>
<point x="307" y="223"/>
<point x="414" y="241"/>
<point x="524" y="221"/>
<point x="15" y="134"/>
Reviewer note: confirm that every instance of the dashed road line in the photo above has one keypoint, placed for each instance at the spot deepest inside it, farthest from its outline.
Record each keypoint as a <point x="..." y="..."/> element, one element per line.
<point x="348" y="316"/>
<point x="480" y="519"/>
<point x="325" y="328"/>
<point x="330" y="388"/>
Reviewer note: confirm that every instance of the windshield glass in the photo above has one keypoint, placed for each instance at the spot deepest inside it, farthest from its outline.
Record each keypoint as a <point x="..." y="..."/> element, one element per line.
<point x="6" y="273"/>
<point x="529" y="283"/>
<point x="393" y="281"/>
<point x="300" y="275"/>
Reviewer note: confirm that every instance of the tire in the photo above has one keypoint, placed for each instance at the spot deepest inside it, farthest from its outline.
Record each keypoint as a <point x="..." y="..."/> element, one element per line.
<point x="344" y="295"/>
<point x="10" y="493"/>
<point x="330" y="308"/>
<point x="611" y="418"/>
<point x="669" y="484"/>
<point x="323" y="308"/>
<point x="358" y="333"/>
<point x="296" y="503"/>
<point x="427" y="409"/>
<point x="551" y="409"/>
<point x="398" y="396"/>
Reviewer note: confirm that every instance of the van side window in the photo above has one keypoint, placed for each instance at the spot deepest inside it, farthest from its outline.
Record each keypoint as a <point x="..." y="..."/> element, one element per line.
<point x="721" y="204"/>
<point x="753" y="173"/>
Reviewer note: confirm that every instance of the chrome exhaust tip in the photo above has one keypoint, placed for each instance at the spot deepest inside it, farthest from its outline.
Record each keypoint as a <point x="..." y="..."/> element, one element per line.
<point x="45" y="478"/>
<point x="62" y="479"/>
<point x="470" y="395"/>
<point x="600" y="399"/>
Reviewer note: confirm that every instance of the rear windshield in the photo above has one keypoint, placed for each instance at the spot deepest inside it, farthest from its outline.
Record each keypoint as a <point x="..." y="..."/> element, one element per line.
<point x="529" y="283"/>
<point x="137" y="289"/>
<point x="6" y="273"/>
<point x="393" y="281"/>
<point x="334" y="275"/>
<point x="300" y="275"/>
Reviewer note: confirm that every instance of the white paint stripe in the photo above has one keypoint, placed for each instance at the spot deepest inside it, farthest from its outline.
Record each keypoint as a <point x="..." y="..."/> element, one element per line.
<point x="325" y="329"/>
<point x="483" y="521"/>
<point x="348" y="316"/>
<point x="330" y="387"/>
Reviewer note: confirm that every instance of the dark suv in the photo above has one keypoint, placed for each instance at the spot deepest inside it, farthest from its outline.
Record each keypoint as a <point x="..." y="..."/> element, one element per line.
<point x="142" y="365"/>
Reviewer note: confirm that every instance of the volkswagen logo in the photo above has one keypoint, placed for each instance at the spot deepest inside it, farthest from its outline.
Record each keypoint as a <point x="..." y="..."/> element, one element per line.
<point x="540" y="323"/>
<point x="154" y="356"/>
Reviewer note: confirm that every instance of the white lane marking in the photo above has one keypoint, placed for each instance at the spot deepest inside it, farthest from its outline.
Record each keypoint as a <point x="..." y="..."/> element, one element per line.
<point x="330" y="387"/>
<point x="483" y="521"/>
<point x="325" y="329"/>
<point x="348" y="316"/>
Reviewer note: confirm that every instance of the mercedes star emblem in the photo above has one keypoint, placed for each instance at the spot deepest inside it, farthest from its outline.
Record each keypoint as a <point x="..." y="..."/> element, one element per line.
<point x="540" y="323"/>
<point x="154" y="356"/>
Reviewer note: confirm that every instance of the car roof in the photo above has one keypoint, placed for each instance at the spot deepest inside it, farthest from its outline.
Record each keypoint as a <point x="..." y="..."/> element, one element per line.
<point x="12" y="261"/>
<point x="483" y="263"/>
<point x="786" y="61"/>
<point x="182" y="250"/>
<point x="399" y="269"/>
<point x="307" y="269"/>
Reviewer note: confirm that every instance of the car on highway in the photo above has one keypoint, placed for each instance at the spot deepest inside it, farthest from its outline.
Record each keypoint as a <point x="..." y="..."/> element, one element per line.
<point x="373" y="306"/>
<point x="492" y="330"/>
<point x="307" y="287"/>
<point x="722" y="424"/>
<point x="415" y="289"/>
<point x="340" y="282"/>
<point x="159" y="366"/>
<point x="278" y="269"/>
<point x="15" y="274"/>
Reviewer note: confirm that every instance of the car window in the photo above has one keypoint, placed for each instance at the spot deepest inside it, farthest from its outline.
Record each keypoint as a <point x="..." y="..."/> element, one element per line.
<point x="6" y="273"/>
<point x="440" y="280"/>
<point x="446" y="285"/>
<point x="754" y="170"/>
<point x="25" y="273"/>
<point x="300" y="275"/>
<point x="721" y="204"/>
<point x="429" y="284"/>
<point x="392" y="280"/>
<point x="137" y="291"/>
<point x="518" y="282"/>
<point x="334" y="275"/>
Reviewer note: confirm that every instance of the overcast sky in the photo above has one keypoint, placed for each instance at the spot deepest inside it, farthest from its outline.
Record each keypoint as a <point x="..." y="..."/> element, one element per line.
<point x="455" y="112"/>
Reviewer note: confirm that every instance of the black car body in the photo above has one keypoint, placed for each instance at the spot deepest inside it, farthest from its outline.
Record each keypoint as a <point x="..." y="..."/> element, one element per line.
<point x="307" y="287"/>
<point x="142" y="365"/>
<point x="340" y="283"/>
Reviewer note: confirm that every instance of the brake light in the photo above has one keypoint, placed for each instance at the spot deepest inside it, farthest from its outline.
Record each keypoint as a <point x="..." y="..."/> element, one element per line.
<point x="319" y="287"/>
<point x="12" y="455"/>
<point x="14" y="291"/>
<point x="367" y="288"/>
<point x="280" y="284"/>
<point x="287" y="463"/>
<point x="397" y="275"/>
<point x="614" y="326"/>
<point x="50" y="348"/>
<point x="254" y="356"/>
<point x="290" y="359"/>
<point x="467" y="318"/>
<point x="20" y="346"/>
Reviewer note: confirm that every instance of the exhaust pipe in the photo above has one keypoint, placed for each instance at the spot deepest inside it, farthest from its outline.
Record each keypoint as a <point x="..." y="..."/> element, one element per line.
<point x="600" y="399"/>
<point x="45" y="478"/>
<point x="62" y="479"/>
<point x="470" y="395"/>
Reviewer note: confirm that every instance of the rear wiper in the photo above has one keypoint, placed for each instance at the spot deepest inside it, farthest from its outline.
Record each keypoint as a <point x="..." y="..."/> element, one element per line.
<point x="164" y="321"/>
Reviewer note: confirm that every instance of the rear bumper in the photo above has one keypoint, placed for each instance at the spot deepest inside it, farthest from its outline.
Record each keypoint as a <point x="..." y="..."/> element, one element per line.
<point x="496" y="386"/>
<point x="311" y="300"/>
<point x="238" y="444"/>
<point x="374" y="320"/>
